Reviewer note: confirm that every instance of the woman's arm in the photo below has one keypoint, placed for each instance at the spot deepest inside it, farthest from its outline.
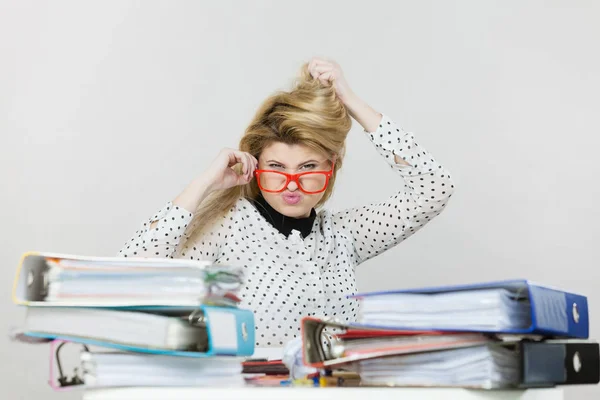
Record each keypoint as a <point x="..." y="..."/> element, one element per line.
<point x="160" y="235"/>
<point x="329" y="71"/>
<point x="423" y="193"/>
<point x="367" y="117"/>
<point x="426" y="186"/>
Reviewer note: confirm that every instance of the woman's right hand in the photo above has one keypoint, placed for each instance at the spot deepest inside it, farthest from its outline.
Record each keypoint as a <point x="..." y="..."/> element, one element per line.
<point x="221" y="175"/>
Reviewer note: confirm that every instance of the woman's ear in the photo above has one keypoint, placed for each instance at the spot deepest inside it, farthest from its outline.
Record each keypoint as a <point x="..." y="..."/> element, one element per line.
<point x="334" y="158"/>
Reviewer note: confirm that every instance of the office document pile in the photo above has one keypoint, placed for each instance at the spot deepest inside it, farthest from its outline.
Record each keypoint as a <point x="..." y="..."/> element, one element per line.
<point x="511" y="334"/>
<point x="164" y="322"/>
<point x="139" y="322"/>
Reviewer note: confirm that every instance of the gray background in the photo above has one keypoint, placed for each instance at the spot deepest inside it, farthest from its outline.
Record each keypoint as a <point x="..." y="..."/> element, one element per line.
<point x="109" y="108"/>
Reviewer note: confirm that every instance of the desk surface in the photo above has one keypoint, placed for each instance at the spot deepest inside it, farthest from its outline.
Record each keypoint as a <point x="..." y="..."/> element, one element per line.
<point x="297" y="393"/>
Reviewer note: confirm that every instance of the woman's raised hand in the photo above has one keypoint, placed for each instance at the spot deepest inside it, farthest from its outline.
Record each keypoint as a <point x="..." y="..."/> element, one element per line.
<point x="221" y="175"/>
<point x="328" y="71"/>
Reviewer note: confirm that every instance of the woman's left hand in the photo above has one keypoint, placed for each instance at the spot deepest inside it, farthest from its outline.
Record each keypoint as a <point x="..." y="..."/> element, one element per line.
<point x="328" y="71"/>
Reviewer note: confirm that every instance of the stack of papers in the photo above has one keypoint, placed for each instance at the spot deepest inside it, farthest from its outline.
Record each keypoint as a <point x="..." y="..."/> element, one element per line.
<point x="145" y="330"/>
<point x="131" y="369"/>
<point x="161" y="322"/>
<point x="487" y="367"/>
<point x="143" y="281"/>
<point x="486" y="309"/>
<point x="490" y="335"/>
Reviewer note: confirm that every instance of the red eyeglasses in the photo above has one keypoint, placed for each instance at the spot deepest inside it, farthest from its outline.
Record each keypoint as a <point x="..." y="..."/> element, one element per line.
<point x="310" y="182"/>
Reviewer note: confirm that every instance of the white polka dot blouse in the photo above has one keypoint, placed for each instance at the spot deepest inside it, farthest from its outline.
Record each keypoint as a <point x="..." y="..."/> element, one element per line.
<point x="289" y="277"/>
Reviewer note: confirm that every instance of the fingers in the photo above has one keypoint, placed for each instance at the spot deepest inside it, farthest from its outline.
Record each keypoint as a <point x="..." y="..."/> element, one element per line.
<point x="322" y="70"/>
<point x="253" y="166"/>
<point x="224" y="174"/>
<point x="318" y="60"/>
<point x="245" y="163"/>
<point x="249" y="165"/>
<point x="326" y="77"/>
<point x="315" y="67"/>
<point x="312" y="64"/>
<point x="234" y="157"/>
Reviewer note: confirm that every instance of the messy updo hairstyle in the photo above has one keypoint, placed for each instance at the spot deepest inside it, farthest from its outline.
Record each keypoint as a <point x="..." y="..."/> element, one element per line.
<point x="310" y="114"/>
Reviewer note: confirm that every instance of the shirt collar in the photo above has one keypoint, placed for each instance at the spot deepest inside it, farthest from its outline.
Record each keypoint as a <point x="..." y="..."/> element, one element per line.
<point x="284" y="224"/>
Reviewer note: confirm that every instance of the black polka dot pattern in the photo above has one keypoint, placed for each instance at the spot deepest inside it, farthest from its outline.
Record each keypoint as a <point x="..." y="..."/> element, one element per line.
<point x="288" y="278"/>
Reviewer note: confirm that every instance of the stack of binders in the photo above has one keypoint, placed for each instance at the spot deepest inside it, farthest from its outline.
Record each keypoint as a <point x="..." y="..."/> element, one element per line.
<point x="139" y="322"/>
<point x="509" y="334"/>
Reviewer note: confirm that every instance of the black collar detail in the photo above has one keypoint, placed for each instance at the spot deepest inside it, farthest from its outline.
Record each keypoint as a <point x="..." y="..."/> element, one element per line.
<point x="284" y="224"/>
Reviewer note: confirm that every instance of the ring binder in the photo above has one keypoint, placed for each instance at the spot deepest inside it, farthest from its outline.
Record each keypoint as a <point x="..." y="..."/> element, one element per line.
<point x="200" y="318"/>
<point x="46" y="279"/>
<point x="532" y="309"/>
<point x="210" y="331"/>
<point x="60" y="380"/>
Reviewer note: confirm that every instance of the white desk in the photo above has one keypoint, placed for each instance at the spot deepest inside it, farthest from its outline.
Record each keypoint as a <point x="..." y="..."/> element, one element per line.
<point x="303" y="393"/>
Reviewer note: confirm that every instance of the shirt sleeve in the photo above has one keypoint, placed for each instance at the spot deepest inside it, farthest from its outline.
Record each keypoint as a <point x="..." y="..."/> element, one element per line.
<point x="425" y="189"/>
<point x="162" y="240"/>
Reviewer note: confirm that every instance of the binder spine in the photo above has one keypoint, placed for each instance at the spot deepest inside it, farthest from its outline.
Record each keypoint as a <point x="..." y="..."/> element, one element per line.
<point x="549" y="309"/>
<point x="558" y="312"/>
<point x="230" y="330"/>
<point x="546" y="364"/>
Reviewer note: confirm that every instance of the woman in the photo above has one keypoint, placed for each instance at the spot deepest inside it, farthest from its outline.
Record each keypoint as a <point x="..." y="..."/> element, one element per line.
<point x="256" y="206"/>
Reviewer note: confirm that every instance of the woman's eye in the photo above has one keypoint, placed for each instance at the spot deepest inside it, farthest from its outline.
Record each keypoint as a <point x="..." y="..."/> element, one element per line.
<point x="272" y="165"/>
<point x="309" y="166"/>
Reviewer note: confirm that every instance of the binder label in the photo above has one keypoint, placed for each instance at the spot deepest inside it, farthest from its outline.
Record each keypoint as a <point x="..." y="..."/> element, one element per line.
<point x="223" y="329"/>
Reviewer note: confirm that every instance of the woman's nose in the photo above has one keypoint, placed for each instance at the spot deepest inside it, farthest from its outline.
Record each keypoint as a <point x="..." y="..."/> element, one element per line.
<point x="292" y="186"/>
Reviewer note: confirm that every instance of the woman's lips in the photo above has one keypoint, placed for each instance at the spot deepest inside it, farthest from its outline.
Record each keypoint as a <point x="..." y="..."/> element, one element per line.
<point x="291" y="198"/>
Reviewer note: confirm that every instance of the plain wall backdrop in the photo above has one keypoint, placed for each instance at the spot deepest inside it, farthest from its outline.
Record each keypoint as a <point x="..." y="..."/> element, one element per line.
<point x="109" y="108"/>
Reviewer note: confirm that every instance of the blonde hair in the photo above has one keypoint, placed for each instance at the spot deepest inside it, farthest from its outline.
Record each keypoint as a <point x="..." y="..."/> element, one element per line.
<point x="310" y="114"/>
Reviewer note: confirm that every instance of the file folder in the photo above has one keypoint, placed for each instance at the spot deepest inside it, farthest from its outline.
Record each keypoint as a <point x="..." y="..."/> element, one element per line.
<point x="492" y="366"/>
<point x="97" y="369"/>
<point x="327" y="344"/>
<point x="526" y="361"/>
<point x="229" y="331"/>
<point x="551" y="312"/>
<point x="53" y="279"/>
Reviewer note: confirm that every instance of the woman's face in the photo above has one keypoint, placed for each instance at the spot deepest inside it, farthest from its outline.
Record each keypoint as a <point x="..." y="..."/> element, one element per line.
<point x="292" y="159"/>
